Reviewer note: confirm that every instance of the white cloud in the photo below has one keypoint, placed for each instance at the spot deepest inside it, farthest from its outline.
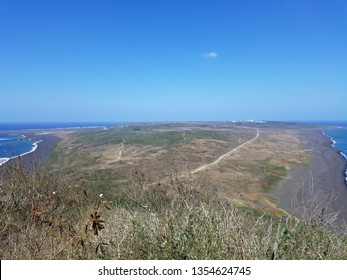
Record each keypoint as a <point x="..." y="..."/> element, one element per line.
<point x="210" y="55"/>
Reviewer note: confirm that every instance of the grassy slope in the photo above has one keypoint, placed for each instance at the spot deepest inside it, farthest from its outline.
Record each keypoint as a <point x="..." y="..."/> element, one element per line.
<point x="244" y="177"/>
<point x="42" y="218"/>
<point x="91" y="155"/>
<point x="54" y="216"/>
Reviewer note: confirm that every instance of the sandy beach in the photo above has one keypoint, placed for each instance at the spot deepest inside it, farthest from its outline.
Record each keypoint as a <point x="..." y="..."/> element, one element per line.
<point x="322" y="179"/>
<point x="41" y="154"/>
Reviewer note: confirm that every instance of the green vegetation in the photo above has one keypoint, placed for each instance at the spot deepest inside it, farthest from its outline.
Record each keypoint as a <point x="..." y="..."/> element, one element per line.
<point x="43" y="217"/>
<point x="272" y="175"/>
<point x="99" y="197"/>
<point x="53" y="156"/>
<point x="95" y="154"/>
<point x="148" y="136"/>
<point x="132" y="137"/>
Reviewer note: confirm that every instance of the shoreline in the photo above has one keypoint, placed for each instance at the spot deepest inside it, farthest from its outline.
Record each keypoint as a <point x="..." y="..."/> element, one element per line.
<point x="333" y="142"/>
<point x="46" y="138"/>
<point x="320" y="185"/>
<point x="33" y="149"/>
<point x="40" y="152"/>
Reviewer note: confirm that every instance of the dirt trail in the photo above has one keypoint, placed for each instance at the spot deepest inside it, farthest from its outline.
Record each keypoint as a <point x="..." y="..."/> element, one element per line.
<point x="212" y="163"/>
<point x="120" y="152"/>
<point x="225" y="155"/>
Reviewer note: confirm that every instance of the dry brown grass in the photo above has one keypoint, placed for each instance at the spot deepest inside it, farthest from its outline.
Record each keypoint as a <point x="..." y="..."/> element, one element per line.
<point x="245" y="176"/>
<point x="45" y="218"/>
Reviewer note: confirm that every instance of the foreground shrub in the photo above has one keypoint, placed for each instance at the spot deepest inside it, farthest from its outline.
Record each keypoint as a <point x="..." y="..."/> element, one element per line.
<point x="44" y="218"/>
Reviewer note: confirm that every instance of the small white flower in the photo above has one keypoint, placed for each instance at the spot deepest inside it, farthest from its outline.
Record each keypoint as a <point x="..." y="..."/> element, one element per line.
<point x="54" y="193"/>
<point x="101" y="195"/>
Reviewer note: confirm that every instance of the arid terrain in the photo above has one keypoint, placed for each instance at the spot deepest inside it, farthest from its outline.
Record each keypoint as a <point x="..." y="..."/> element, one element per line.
<point x="176" y="191"/>
<point x="240" y="161"/>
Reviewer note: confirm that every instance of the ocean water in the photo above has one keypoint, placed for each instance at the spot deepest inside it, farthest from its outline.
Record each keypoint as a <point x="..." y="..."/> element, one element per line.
<point x="339" y="140"/>
<point x="50" y="125"/>
<point x="14" y="144"/>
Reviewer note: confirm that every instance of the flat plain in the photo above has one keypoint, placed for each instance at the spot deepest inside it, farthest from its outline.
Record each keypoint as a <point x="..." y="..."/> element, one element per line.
<point x="250" y="165"/>
<point x="218" y="190"/>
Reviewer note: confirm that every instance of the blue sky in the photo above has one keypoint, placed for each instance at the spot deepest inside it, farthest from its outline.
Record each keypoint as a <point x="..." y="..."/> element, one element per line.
<point x="173" y="60"/>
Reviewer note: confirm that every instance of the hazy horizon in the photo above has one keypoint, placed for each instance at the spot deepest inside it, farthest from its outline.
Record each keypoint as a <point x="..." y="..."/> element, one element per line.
<point x="154" y="61"/>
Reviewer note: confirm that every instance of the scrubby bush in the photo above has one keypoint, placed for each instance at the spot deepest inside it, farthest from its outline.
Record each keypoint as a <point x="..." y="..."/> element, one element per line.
<point x="42" y="217"/>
